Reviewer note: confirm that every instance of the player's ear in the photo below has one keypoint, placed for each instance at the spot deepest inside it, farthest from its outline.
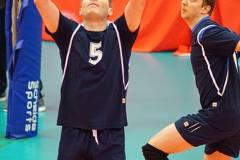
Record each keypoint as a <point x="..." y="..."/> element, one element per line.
<point x="110" y="11"/>
<point x="80" y="11"/>
<point x="206" y="9"/>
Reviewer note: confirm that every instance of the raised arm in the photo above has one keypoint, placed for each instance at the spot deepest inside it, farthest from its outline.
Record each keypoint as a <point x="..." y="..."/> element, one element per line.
<point x="133" y="13"/>
<point x="49" y="13"/>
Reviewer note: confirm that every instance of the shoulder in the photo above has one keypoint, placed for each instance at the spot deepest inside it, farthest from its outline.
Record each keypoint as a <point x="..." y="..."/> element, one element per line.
<point x="208" y="28"/>
<point x="203" y="25"/>
<point x="122" y="26"/>
<point x="67" y="23"/>
<point x="121" y="21"/>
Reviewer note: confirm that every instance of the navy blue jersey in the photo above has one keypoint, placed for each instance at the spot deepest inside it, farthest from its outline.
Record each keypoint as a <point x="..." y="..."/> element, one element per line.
<point x="215" y="65"/>
<point x="95" y="74"/>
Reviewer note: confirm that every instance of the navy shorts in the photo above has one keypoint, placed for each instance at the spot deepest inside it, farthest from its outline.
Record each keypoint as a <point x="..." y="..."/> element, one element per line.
<point x="79" y="144"/>
<point x="196" y="130"/>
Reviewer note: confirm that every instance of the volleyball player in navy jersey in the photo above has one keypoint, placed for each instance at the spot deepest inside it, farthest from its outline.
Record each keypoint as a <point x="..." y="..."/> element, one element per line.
<point x="95" y="58"/>
<point x="215" y="65"/>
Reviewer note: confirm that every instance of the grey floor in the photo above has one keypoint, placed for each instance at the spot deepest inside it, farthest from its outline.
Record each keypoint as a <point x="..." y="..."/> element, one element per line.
<point x="161" y="90"/>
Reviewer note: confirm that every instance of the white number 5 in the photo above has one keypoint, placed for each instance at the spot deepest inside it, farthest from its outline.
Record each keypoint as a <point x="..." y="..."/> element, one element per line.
<point x="94" y="53"/>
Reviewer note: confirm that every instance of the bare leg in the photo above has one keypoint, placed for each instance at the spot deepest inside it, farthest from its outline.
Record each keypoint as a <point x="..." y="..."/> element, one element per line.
<point x="169" y="140"/>
<point x="216" y="156"/>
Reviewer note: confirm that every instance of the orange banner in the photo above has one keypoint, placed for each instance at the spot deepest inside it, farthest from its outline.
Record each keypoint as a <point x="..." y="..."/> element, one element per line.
<point x="162" y="28"/>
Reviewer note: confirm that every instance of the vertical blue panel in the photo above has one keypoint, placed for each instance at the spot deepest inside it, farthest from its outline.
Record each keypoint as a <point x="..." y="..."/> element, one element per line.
<point x="24" y="71"/>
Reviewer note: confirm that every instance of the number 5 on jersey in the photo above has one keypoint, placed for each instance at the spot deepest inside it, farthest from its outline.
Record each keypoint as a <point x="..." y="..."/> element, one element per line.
<point x="95" y="53"/>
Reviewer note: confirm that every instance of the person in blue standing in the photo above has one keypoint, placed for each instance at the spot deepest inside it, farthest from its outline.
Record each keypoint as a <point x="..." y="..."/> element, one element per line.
<point x="214" y="60"/>
<point x="95" y="59"/>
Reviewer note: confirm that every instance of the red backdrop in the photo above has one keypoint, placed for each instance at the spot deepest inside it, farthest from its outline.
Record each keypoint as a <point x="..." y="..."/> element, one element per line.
<point x="162" y="28"/>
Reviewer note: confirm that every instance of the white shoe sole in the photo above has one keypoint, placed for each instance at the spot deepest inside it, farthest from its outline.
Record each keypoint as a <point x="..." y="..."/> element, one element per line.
<point x="4" y="109"/>
<point x="41" y="109"/>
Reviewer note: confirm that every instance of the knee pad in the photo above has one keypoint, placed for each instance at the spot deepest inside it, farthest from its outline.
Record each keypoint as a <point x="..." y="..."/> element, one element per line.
<point x="152" y="153"/>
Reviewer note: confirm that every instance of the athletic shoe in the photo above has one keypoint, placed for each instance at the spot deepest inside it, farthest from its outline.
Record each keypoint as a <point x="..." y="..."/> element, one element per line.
<point x="5" y="108"/>
<point x="41" y="107"/>
<point x="3" y="97"/>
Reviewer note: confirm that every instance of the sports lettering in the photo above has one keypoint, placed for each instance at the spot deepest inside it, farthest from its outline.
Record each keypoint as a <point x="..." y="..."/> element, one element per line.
<point x="32" y="97"/>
